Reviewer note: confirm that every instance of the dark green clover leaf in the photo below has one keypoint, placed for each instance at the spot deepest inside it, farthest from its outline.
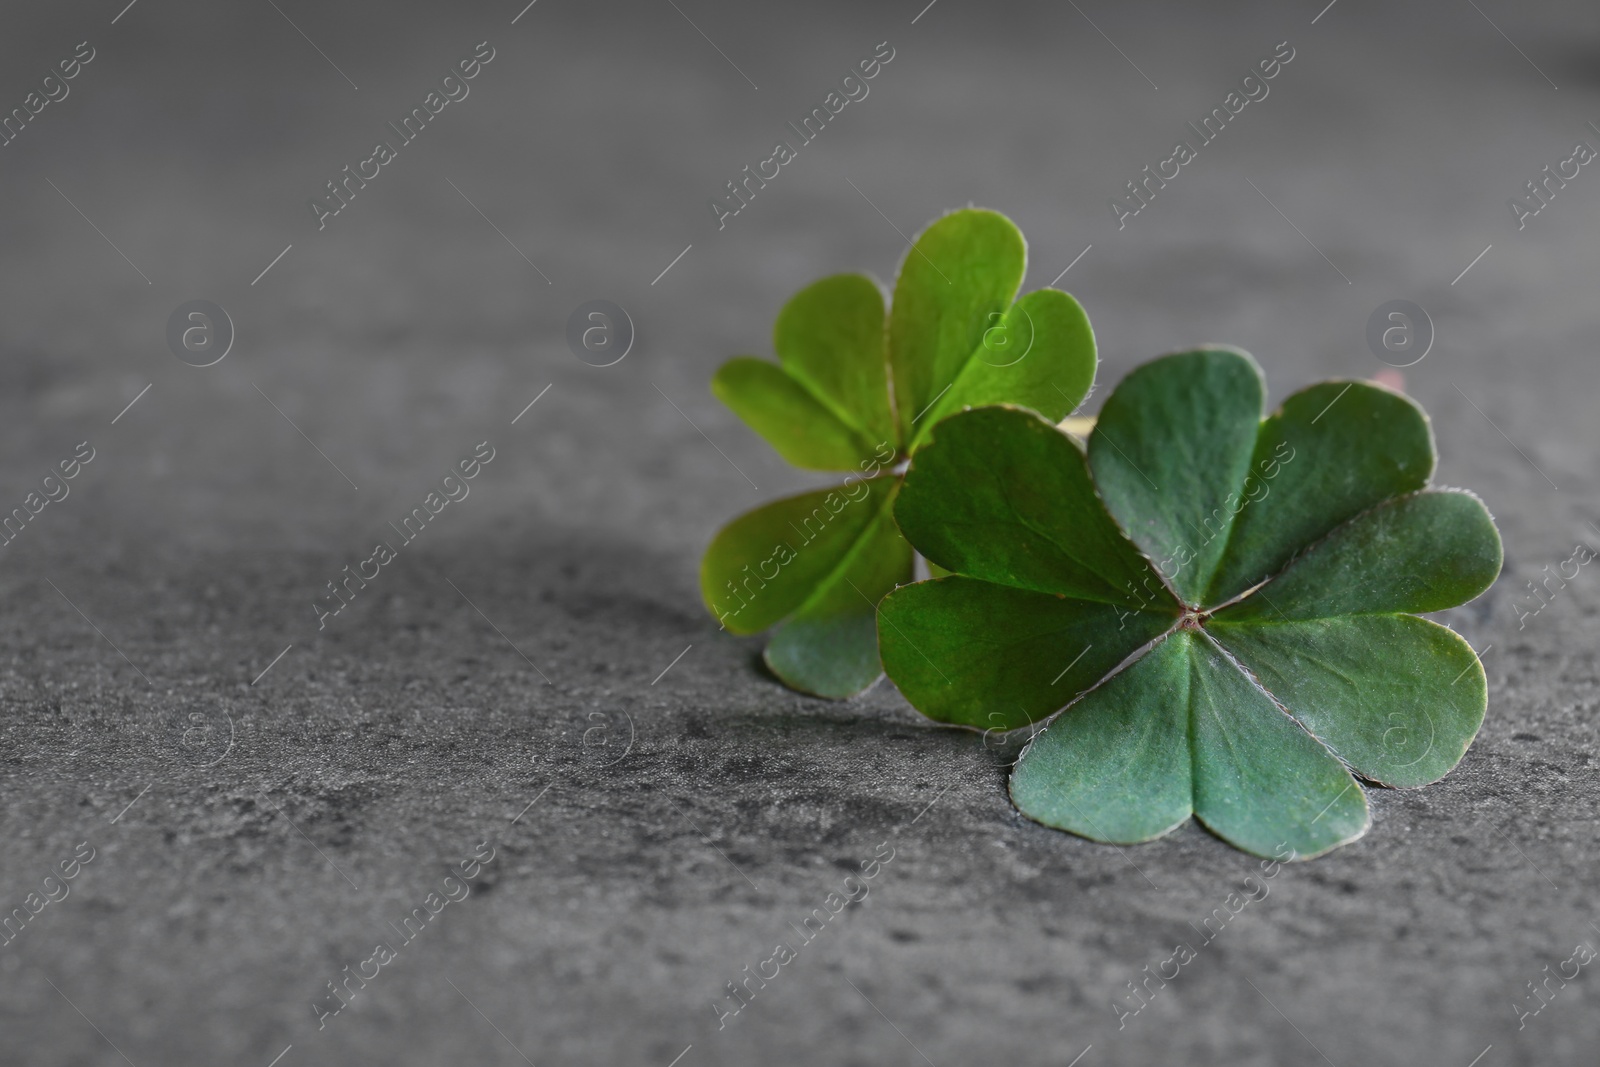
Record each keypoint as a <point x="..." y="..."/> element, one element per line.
<point x="857" y="388"/>
<point x="1225" y="607"/>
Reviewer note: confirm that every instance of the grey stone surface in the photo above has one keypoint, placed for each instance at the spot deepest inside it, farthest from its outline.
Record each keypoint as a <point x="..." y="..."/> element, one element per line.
<point x="514" y="649"/>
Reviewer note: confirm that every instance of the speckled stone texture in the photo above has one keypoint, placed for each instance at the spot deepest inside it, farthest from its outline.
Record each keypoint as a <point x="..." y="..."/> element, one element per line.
<point x="251" y="841"/>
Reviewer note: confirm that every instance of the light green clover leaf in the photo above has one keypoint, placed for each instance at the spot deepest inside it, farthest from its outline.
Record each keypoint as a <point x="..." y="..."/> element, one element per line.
<point x="857" y="388"/>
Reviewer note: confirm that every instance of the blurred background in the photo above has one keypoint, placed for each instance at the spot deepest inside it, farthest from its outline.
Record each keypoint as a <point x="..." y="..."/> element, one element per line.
<point x="266" y="801"/>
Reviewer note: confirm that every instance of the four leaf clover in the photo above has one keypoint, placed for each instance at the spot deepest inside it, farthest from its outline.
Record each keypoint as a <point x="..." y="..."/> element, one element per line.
<point x="1220" y="610"/>
<point x="857" y="388"/>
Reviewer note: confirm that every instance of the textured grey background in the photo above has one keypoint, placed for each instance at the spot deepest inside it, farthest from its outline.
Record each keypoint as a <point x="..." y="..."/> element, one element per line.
<point x="377" y="753"/>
